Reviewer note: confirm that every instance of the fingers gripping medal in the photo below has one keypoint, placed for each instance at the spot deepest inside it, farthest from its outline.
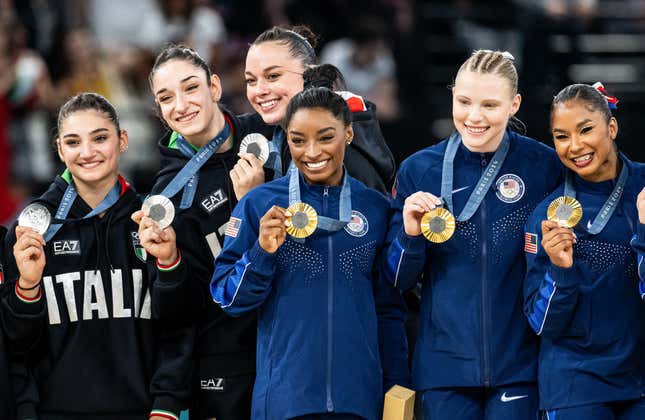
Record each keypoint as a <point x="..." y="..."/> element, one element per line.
<point x="160" y="209"/>
<point x="438" y="225"/>
<point x="35" y="216"/>
<point x="565" y="210"/>
<point x="256" y="144"/>
<point x="303" y="220"/>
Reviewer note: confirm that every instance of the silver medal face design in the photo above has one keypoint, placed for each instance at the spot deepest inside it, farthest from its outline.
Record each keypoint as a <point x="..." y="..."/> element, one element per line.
<point x="256" y="144"/>
<point x="160" y="209"/>
<point x="35" y="216"/>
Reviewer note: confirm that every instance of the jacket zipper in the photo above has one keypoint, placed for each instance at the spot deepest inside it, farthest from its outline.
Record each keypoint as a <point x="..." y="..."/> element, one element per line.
<point x="485" y="355"/>
<point x="330" y="304"/>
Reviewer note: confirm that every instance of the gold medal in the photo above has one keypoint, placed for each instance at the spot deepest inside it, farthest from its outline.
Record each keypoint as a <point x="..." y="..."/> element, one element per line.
<point x="303" y="220"/>
<point x="566" y="210"/>
<point x="438" y="225"/>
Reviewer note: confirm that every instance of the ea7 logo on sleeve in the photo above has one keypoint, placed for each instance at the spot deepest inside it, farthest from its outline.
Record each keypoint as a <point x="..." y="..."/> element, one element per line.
<point x="214" y="200"/>
<point x="213" y="384"/>
<point x="67" y="247"/>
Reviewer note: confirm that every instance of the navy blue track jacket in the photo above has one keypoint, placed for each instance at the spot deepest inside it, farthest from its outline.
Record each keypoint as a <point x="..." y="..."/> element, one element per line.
<point x="472" y="332"/>
<point x="590" y="317"/>
<point x="318" y="304"/>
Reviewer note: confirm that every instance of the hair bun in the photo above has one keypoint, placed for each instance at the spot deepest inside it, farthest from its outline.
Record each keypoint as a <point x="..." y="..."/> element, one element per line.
<point x="324" y="75"/>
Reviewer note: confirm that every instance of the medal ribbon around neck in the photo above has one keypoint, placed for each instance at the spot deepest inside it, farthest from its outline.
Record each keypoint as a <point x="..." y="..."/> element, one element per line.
<point x="344" y="208"/>
<point x="188" y="178"/>
<point x="68" y="199"/>
<point x="607" y="210"/>
<point x="485" y="181"/>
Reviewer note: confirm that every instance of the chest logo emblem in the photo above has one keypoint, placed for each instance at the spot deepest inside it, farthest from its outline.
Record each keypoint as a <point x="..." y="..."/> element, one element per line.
<point x="509" y="188"/>
<point x="358" y="225"/>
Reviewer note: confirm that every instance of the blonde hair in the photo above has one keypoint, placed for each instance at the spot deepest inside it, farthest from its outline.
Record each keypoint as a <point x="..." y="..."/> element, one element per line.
<point x="499" y="63"/>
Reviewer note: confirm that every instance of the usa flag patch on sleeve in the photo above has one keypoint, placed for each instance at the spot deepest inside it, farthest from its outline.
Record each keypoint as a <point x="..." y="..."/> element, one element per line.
<point x="233" y="227"/>
<point x="530" y="242"/>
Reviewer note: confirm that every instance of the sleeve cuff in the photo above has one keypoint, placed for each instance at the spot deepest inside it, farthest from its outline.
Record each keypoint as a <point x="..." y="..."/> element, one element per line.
<point x="172" y="266"/>
<point x="167" y="406"/>
<point x="412" y="244"/>
<point x="563" y="277"/>
<point x="263" y="261"/>
<point x="640" y="233"/>
<point x="165" y="414"/>
<point x="22" y="304"/>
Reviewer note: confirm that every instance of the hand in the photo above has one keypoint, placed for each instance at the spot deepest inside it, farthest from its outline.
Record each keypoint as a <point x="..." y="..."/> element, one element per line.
<point x="273" y="230"/>
<point x="161" y="243"/>
<point x="414" y="208"/>
<point x="557" y="242"/>
<point x="29" y="253"/>
<point x="247" y="173"/>
<point x="640" y="205"/>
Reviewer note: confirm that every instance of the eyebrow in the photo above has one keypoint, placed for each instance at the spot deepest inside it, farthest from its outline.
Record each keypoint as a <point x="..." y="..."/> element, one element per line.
<point x="185" y="79"/>
<point x="580" y="124"/>
<point x="98" y="130"/>
<point x="322" y="130"/>
<point x="265" y="70"/>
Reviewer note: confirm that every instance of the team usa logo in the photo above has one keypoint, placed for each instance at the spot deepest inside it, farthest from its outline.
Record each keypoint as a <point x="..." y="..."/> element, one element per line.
<point x="509" y="188"/>
<point x="357" y="225"/>
<point x="139" y="250"/>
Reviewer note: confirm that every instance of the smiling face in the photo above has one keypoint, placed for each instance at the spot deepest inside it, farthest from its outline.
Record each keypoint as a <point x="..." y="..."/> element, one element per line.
<point x="187" y="100"/>
<point x="584" y="140"/>
<point x="317" y="143"/>
<point x="90" y="145"/>
<point x="273" y="77"/>
<point x="481" y="107"/>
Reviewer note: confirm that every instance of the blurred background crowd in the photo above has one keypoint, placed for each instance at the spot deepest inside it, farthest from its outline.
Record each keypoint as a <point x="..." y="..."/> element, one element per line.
<point x="400" y="54"/>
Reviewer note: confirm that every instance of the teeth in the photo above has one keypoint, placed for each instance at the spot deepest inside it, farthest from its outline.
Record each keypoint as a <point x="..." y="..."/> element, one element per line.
<point x="187" y="117"/>
<point x="316" y="164"/>
<point x="583" y="158"/>
<point x="268" y="104"/>
<point x="476" y="129"/>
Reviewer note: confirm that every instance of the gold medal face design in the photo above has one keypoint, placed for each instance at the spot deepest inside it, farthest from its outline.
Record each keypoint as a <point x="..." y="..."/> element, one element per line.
<point x="160" y="209"/>
<point x="35" y="216"/>
<point x="566" y="210"/>
<point x="303" y="220"/>
<point x="438" y="225"/>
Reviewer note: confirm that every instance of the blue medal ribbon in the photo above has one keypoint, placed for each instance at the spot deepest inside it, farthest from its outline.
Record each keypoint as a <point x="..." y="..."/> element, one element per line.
<point x="607" y="210"/>
<point x="485" y="181"/>
<point x="344" y="207"/>
<point x="188" y="178"/>
<point x="68" y="199"/>
<point x="275" y="152"/>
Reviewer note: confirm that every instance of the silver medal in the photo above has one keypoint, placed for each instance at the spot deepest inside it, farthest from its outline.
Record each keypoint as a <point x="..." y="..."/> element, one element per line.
<point x="160" y="209"/>
<point x="35" y="216"/>
<point x="256" y="144"/>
